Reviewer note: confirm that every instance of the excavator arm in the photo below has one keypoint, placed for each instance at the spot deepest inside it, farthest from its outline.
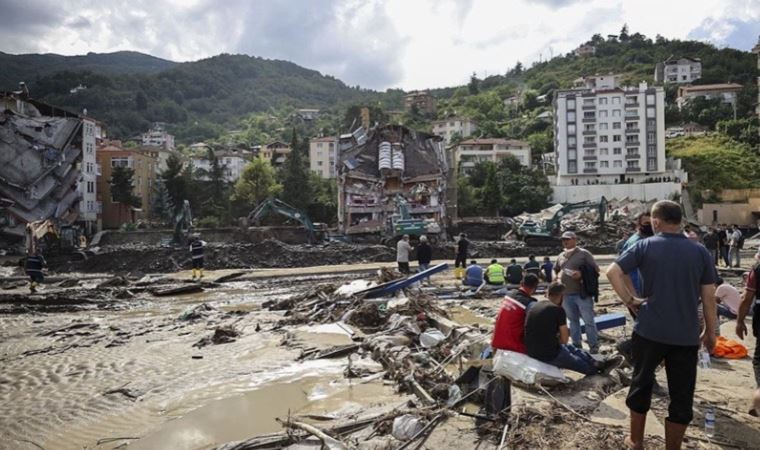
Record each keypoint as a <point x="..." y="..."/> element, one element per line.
<point x="273" y="205"/>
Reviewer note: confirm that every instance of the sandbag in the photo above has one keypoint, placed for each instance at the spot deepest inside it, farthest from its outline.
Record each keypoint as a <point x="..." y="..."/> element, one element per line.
<point x="524" y="369"/>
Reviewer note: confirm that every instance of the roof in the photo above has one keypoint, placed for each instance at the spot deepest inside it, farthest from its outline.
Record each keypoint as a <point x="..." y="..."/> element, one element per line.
<point x="453" y="118"/>
<point x="323" y="139"/>
<point x="494" y="141"/>
<point x="711" y="87"/>
<point x="673" y="60"/>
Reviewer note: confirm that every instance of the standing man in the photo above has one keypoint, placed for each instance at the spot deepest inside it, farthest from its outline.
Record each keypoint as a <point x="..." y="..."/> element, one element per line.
<point x="403" y="249"/>
<point x="197" y="248"/>
<point x="532" y="266"/>
<point x="548" y="269"/>
<point x="33" y="265"/>
<point x="752" y="295"/>
<point x="514" y="272"/>
<point x="463" y="246"/>
<point x="667" y="324"/>
<point x="575" y="303"/>
<point x="424" y="255"/>
<point x="643" y="231"/>
<point x="711" y="243"/>
<point x="723" y="244"/>
<point x="734" y="242"/>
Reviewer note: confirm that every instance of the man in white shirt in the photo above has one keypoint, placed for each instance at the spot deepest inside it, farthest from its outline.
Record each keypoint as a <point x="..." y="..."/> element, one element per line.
<point x="734" y="239"/>
<point x="403" y="249"/>
<point x="728" y="299"/>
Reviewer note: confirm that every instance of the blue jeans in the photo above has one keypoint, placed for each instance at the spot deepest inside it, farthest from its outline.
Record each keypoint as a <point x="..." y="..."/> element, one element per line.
<point x="725" y="312"/>
<point x="734" y="257"/>
<point x="724" y="255"/>
<point x="423" y="267"/>
<point x="574" y="359"/>
<point x="577" y="308"/>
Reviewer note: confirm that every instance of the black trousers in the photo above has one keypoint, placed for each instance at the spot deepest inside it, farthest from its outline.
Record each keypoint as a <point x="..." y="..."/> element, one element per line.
<point x="198" y="263"/>
<point x="756" y="332"/>
<point x="680" y="368"/>
<point x="403" y="267"/>
<point x="460" y="259"/>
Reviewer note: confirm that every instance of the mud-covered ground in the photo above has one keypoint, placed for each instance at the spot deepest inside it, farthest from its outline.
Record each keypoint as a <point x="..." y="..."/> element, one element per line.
<point x="108" y="363"/>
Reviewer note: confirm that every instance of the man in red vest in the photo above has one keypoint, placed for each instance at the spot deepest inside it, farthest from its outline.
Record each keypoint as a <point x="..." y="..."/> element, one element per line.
<point x="510" y="324"/>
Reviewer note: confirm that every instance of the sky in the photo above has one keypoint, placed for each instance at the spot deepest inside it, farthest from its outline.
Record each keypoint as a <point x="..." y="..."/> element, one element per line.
<point x="409" y="44"/>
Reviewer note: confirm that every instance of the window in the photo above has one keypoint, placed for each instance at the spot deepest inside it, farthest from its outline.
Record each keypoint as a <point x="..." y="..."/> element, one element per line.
<point x="630" y="125"/>
<point x="631" y="138"/>
<point x="631" y="113"/>
<point x="651" y="123"/>
<point x="651" y="150"/>
<point x="589" y="165"/>
<point x="618" y="164"/>
<point x="572" y="154"/>
<point x="588" y="127"/>
<point x="319" y="163"/>
<point x="589" y="140"/>
<point x="651" y="164"/>
<point x="616" y="125"/>
<point x="603" y="100"/>
<point x="632" y="151"/>
<point x="603" y="126"/>
<point x="604" y="151"/>
<point x="571" y="141"/>
<point x="604" y="164"/>
<point x="615" y="100"/>
<point x="617" y="151"/>
<point x="650" y="112"/>
<point x="121" y="161"/>
<point x="571" y="103"/>
<point x="615" y="113"/>
<point x="572" y="167"/>
<point x="603" y="138"/>
<point x="632" y="100"/>
<point x="592" y="114"/>
<point x="602" y="113"/>
<point x="616" y="138"/>
<point x="632" y="164"/>
<point x="571" y="116"/>
<point x="650" y="136"/>
<point x="650" y="99"/>
<point x="571" y="128"/>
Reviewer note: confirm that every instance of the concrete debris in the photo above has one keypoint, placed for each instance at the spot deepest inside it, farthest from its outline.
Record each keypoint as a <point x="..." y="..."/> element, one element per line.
<point x="222" y="335"/>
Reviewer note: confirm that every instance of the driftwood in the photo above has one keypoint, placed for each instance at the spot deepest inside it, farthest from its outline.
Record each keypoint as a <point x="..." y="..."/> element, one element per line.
<point x="328" y="441"/>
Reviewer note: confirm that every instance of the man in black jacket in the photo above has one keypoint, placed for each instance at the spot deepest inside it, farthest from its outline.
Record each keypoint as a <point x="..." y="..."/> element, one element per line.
<point x="424" y="254"/>
<point x="711" y="243"/>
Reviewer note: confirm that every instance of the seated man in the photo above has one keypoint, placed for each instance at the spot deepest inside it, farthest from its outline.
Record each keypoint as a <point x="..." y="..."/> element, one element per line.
<point x="728" y="299"/>
<point x="473" y="276"/>
<point x="532" y="266"/>
<point x="495" y="273"/>
<point x="508" y="332"/>
<point x="514" y="272"/>
<point x="546" y="337"/>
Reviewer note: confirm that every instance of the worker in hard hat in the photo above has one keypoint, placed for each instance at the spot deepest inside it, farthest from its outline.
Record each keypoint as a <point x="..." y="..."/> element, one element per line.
<point x="33" y="265"/>
<point x="197" y="247"/>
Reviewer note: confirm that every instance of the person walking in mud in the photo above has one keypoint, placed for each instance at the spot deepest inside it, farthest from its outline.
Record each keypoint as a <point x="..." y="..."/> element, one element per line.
<point x="33" y="265"/>
<point x="197" y="247"/>
<point x="460" y="261"/>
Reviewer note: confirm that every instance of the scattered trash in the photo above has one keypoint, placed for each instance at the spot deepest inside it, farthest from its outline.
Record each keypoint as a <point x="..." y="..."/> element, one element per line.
<point x="431" y="338"/>
<point x="406" y="427"/>
<point x="524" y="369"/>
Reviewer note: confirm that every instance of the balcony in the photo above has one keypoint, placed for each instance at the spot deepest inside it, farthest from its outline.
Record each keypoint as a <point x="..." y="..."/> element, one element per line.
<point x="632" y="130"/>
<point x="632" y="117"/>
<point x="632" y="105"/>
<point x="589" y="119"/>
<point x="591" y="106"/>
<point x="632" y="169"/>
<point x="589" y="132"/>
<point x="589" y="145"/>
<point x="589" y="157"/>
<point x="587" y="170"/>
<point x="632" y="156"/>
<point x="632" y="143"/>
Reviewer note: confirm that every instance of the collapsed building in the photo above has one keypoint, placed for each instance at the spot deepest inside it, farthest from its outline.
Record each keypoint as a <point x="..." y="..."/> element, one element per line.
<point x="387" y="172"/>
<point x="40" y="158"/>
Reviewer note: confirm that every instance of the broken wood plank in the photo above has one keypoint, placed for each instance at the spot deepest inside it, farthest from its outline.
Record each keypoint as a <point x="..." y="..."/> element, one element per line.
<point x="229" y="277"/>
<point x="179" y="290"/>
<point x="421" y="393"/>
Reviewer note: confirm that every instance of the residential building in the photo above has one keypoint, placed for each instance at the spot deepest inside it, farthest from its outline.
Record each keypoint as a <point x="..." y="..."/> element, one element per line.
<point x="389" y="169"/>
<point x="739" y="206"/>
<point x="232" y="161"/>
<point x="610" y="139"/>
<point x="158" y="137"/>
<point x="678" y="70"/>
<point x="727" y="92"/>
<point x="323" y="154"/>
<point x="689" y="129"/>
<point x="422" y="101"/>
<point x="472" y="151"/>
<point x="454" y="126"/>
<point x="511" y="102"/>
<point x="92" y="133"/>
<point x="585" y="50"/>
<point x="40" y="164"/>
<point x="276" y="152"/>
<point x="143" y="160"/>
<point x="307" y="114"/>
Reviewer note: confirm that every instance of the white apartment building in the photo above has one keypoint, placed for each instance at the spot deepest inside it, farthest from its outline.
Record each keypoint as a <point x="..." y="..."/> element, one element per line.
<point x="233" y="163"/>
<point x="472" y="151"/>
<point x="726" y="92"/>
<point x="88" y="206"/>
<point x="448" y="128"/>
<point x="678" y="70"/>
<point x="158" y="137"/>
<point x="611" y="138"/>
<point x="323" y="154"/>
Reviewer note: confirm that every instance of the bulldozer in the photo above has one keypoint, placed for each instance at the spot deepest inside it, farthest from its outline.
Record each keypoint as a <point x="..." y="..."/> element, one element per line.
<point x="51" y="238"/>
<point x="545" y="232"/>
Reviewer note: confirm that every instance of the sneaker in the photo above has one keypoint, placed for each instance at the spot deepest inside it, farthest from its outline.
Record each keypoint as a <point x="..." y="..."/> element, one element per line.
<point x="606" y="366"/>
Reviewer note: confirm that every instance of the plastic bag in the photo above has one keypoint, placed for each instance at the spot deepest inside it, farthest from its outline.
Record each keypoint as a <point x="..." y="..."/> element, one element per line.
<point x="431" y="338"/>
<point x="406" y="427"/>
<point x="524" y="369"/>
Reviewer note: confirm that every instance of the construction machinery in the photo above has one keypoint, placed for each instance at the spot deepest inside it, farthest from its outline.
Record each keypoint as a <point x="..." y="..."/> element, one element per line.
<point x="183" y="223"/>
<point x="537" y="233"/>
<point x="48" y="237"/>
<point x="403" y="223"/>
<point x="273" y="205"/>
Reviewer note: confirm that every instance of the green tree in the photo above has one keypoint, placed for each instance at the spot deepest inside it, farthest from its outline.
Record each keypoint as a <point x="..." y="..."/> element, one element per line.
<point x="213" y="198"/>
<point x="161" y="207"/>
<point x="742" y="130"/>
<point x="257" y="183"/>
<point x="294" y="176"/>
<point x="491" y="198"/>
<point x="174" y="178"/>
<point x="523" y="189"/>
<point x="467" y="204"/>
<point x="474" y="86"/>
<point x="122" y="180"/>
<point x="324" y="207"/>
<point x="540" y="143"/>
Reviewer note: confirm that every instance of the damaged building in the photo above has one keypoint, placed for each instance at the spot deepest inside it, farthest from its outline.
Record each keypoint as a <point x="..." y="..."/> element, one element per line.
<point x="386" y="172"/>
<point x="40" y="158"/>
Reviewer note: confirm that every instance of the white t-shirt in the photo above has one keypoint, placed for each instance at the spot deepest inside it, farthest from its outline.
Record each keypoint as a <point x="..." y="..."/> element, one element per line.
<point x="402" y="251"/>
<point x="729" y="296"/>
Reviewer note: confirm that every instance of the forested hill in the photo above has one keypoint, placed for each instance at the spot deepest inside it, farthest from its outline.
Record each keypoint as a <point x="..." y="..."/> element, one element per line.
<point x="197" y="99"/>
<point x="16" y="68"/>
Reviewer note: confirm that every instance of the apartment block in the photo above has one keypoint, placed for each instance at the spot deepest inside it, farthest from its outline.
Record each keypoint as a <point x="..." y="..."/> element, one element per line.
<point x="92" y="132"/>
<point x="276" y="152"/>
<point x="232" y="162"/>
<point x="472" y="151"/>
<point x="454" y="126"/>
<point x="420" y="100"/>
<point x="678" y="70"/>
<point x="323" y="154"/>
<point x="726" y="92"/>
<point x="157" y="136"/>
<point x="606" y="134"/>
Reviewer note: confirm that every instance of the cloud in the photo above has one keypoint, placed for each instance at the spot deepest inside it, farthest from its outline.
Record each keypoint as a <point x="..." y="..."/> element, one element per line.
<point x="731" y="32"/>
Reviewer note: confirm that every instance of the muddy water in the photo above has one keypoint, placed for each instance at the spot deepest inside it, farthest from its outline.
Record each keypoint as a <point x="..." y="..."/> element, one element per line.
<point x="54" y="385"/>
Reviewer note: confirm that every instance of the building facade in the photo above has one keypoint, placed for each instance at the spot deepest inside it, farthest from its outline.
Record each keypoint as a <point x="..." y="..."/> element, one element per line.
<point x="92" y="133"/>
<point x="726" y="92"/>
<point x="276" y="152"/>
<point x="158" y="137"/>
<point x="143" y="161"/>
<point x="232" y="162"/>
<point x="472" y="151"/>
<point x="422" y="101"/>
<point x="323" y="154"/>
<point x="610" y="135"/>
<point x="585" y="50"/>
<point x="678" y="70"/>
<point x="454" y="126"/>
